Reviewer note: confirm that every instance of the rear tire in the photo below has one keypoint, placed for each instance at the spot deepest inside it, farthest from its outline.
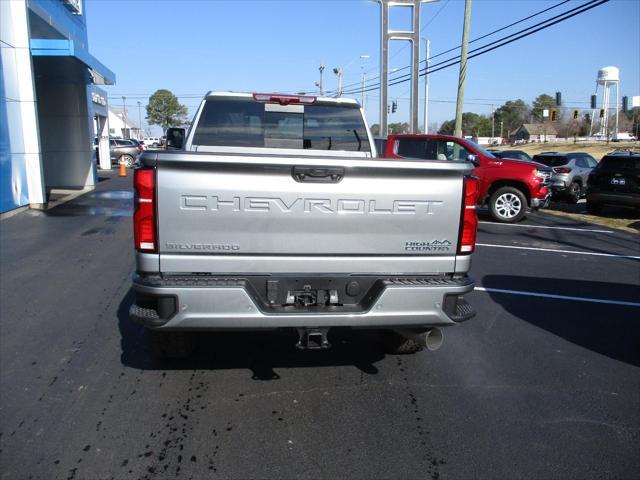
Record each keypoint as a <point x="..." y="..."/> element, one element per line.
<point x="166" y="345"/>
<point x="127" y="160"/>
<point x="396" y="344"/>
<point x="574" y="193"/>
<point x="508" y="205"/>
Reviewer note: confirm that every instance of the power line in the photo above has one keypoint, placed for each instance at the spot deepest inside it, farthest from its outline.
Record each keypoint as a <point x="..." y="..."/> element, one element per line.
<point x="486" y="35"/>
<point x="504" y="28"/>
<point x="436" y="15"/>
<point x="494" y="45"/>
<point x="432" y="68"/>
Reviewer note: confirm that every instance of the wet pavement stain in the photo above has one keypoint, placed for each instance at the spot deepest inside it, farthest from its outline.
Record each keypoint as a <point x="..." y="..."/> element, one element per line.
<point x="98" y="231"/>
<point x="177" y="428"/>
<point x="113" y="195"/>
<point x="432" y="462"/>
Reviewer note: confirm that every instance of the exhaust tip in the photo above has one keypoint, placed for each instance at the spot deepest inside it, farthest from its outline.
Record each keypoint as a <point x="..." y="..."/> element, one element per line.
<point x="433" y="339"/>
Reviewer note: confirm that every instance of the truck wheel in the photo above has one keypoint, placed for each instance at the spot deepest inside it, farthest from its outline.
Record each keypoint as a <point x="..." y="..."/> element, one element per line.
<point x="171" y="344"/>
<point x="574" y="192"/>
<point x="127" y="160"/>
<point x="593" y="208"/>
<point x="508" y="205"/>
<point x="396" y="344"/>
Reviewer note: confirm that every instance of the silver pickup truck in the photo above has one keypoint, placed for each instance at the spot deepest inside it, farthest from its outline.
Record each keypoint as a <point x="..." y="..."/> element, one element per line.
<point x="273" y="212"/>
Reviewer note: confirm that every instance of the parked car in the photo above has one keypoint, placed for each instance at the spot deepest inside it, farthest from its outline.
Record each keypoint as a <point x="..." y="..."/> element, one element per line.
<point x="508" y="187"/>
<point x="124" y="150"/>
<point x="623" y="137"/>
<point x="151" y="142"/>
<point x="615" y="181"/>
<point x="570" y="172"/>
<point x="511" y="154"/>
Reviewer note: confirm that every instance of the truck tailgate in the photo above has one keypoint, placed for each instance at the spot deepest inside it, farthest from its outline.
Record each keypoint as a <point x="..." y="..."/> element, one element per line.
<point x="261" y="205"/>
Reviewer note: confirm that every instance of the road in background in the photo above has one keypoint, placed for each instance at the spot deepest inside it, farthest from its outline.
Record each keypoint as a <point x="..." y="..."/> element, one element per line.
<point x="533" y="387"/>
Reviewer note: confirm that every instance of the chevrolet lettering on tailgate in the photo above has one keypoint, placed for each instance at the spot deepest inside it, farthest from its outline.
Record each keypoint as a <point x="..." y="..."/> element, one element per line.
<point x="307" y="205"/>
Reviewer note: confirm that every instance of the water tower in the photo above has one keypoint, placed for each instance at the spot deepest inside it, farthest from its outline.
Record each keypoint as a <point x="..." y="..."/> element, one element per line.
<point x="608" y="77"/>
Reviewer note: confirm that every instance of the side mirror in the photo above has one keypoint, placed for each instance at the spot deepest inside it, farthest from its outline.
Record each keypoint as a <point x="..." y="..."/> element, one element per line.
<point x="175" y="138"/>
<point x="473" y="159"/>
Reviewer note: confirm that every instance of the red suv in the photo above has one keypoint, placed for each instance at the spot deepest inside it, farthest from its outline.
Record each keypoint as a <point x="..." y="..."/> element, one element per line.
<point x="507" y="186"/>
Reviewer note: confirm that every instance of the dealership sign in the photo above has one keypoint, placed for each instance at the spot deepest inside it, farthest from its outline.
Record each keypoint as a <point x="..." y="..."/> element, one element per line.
<point x="99" y="99"/>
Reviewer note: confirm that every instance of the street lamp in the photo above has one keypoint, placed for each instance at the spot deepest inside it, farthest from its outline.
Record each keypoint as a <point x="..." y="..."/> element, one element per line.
<point x="339" y="73"/>
<point x="139" y="121"/>
<point x="319" y="84"/>
<point x="124" y="117"/>
<point x="427" y="48"/>
<point x="364" y="80"/>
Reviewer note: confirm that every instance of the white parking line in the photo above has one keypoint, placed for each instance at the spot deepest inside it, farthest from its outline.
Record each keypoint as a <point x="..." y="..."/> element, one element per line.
<point x="575" y="229"/>
<point x="559" y="297"/>
<point x="575" y="252"/>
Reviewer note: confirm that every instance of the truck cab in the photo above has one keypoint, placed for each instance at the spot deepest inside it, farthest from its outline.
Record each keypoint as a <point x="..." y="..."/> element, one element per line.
<point x="507" y="186"/>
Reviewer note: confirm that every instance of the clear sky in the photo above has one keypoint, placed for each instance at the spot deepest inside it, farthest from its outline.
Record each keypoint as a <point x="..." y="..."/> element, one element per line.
<point x="191" y="47"/>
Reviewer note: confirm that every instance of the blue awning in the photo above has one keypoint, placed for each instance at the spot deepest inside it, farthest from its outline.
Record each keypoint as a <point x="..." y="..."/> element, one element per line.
<point x="41" y="47"/>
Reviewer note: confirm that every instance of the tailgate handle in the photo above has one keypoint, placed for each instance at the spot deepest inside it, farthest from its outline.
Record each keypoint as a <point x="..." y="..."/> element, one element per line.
<point x="318" y="174"/>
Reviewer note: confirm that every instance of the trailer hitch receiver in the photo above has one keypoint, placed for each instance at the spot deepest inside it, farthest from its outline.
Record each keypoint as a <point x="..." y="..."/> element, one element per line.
<point x="313" y="339"/>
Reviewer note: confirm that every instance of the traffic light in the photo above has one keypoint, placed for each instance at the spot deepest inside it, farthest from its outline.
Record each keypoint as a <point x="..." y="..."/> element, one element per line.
<point x="394" y="106"/>
<point x="554" y="115"/>
<point x="625" y="104"/>
<point x="593" y="102"/>
<point x="558" y="99"/>
<point x="602" y="113"/>
<point x="388" y="108"/>
<point x="575" y="114"/>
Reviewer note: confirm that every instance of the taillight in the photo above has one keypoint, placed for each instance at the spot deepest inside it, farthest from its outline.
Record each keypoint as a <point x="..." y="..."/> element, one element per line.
<point x="562" y="170"/>
<point x="139" y="148"/>
<point x="144" y="217"/>
<point x="468" y="218"/>
<point x="284" y="99"/>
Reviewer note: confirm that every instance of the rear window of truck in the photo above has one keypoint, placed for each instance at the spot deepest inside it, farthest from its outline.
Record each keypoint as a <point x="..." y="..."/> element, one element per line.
<point x="248" y="123"/>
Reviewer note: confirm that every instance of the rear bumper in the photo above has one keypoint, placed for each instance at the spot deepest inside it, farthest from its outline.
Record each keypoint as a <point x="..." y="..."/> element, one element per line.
<point x="541" y="202"/>
<point x="225" y="304"/>
<point x="628" y="200"/>
<point x="560" y="182"/>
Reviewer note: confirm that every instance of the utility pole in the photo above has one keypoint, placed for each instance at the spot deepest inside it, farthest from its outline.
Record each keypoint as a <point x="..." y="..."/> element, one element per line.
<point x="501" y="137"/>
<point x="124" y="117"/>
<point x="493" y="123"/>
<point x="139" y="121"/>
<point x="463" y="68"/>
<point x="321" y="69"/>
<point x="427" y="47"/>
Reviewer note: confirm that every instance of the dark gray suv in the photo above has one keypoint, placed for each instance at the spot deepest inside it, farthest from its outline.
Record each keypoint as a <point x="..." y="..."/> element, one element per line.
<point x="616" y="181"/>
<point x="570" y="172"/>
<point x="124" y="151"/>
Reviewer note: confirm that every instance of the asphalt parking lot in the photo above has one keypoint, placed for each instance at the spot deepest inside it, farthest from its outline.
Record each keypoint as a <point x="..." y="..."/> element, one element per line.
<point x="543" y="383"/>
